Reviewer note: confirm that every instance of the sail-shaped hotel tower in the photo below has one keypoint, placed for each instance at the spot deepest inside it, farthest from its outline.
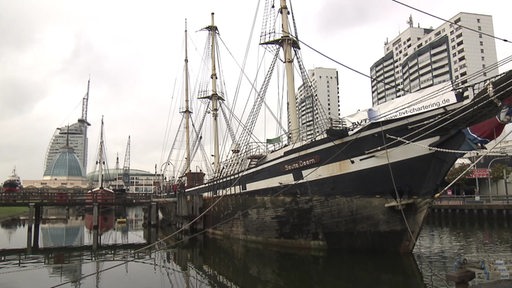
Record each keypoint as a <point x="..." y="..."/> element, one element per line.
<point x="74" y="136"/>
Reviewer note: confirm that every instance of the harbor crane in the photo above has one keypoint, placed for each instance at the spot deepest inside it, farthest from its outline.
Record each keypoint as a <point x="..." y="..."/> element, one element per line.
<point x="126" y="166"/>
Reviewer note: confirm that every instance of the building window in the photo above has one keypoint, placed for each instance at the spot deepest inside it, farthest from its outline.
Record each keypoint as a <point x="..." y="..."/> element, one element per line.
<point x="483" y="58"/>
<point x="481" y="43"/>
<point x="479" y="28"/>
<point x="477" y="20"/>
<point x="482" y="50"/>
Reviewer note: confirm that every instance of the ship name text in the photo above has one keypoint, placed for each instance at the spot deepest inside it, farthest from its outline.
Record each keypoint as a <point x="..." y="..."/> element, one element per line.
<point x="301" y="163"/>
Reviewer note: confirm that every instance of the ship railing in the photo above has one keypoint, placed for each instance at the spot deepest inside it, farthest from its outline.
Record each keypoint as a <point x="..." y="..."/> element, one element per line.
<point x="244" y="158"/>
<point x="256" y="150"/>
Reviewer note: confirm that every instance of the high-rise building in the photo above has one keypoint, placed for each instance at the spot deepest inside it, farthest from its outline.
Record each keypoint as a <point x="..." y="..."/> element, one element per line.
<point x="325" y="99"/>
<point x="459" y="50"/>
<point x="73" y="136"/>
<point x="76" y="137"/>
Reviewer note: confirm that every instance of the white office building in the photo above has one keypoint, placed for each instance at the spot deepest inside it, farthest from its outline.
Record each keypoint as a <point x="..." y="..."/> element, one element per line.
<point x="459" y="51"/>
<point x="325" y="99"/>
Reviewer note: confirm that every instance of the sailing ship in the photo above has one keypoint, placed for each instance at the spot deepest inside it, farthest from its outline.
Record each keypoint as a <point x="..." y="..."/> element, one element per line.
<point x="366" y="185"/>
<point x="100" y="194"/>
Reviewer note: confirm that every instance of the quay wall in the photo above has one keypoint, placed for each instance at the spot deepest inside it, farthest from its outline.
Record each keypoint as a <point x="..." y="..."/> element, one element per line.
<point x="473" y="204"/>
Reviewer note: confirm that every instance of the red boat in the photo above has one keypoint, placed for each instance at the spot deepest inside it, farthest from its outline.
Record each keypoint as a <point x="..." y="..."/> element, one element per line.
<point x="100" y="195"/>
<point x="13" y="183"/>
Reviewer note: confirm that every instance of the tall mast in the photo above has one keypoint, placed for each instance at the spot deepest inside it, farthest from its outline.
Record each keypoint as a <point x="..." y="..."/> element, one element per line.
<point x="187" y="109"/>
<point x="100" y="157"/>
<point x="215" y="99"/>
<point x="287" y="43"/>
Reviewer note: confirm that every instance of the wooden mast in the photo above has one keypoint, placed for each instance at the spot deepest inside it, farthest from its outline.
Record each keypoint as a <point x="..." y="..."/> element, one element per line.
<point x="101" y="161"/>
<point x="287" y="43"/>
<point x="215" y="101"/>
<point x="187" y="108"/>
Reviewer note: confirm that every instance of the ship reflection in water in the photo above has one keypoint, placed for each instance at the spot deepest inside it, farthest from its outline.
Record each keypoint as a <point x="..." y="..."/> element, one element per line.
<point x="236" y="264"/>
<point x="207" y="262"/>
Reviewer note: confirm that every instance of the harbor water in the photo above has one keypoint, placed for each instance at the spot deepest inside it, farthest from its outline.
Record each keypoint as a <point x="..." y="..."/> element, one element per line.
<point x="127" y="260"/>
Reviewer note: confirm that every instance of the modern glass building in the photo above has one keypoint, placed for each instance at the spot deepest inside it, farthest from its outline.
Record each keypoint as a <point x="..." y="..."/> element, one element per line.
<point x="66" y="165"/>
<point x="76" y="137"/>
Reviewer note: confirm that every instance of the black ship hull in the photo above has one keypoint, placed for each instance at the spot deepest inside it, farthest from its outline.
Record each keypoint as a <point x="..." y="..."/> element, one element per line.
<point x="366" y="191"/>
<point x="348" y="223"/>
<point x="335" y="193"/>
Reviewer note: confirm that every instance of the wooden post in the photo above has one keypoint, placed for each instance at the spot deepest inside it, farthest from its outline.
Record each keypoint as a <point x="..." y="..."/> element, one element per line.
<point x="29" y="227"/>
<point x="37" y="224"/>
<point x="95" y="233"/>
<point x="153" y="219"/>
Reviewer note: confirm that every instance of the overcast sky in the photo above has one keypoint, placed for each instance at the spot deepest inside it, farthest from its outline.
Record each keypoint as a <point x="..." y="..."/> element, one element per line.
<point x="133" y="53"/>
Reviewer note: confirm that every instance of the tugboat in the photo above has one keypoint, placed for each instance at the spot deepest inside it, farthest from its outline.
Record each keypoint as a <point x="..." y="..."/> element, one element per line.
<point x="13" y="183"/>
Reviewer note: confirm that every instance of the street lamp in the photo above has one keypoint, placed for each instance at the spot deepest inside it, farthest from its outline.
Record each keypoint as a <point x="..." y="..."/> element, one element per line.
<point x="489" y="175"/>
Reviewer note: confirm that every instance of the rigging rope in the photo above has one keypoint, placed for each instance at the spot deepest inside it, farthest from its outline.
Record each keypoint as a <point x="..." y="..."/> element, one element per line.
<point x="465" y="27"/>
<point x="471" y="166"/>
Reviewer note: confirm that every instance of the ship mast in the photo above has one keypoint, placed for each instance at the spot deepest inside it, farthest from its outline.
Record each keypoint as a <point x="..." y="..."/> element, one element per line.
<point x="287" y="43"/>
<point x="215" y="100"/>
<point x="187" y="108"/>
<point x="100" y="157"/>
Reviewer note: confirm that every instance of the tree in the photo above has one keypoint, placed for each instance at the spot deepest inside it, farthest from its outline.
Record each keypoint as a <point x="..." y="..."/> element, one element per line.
<point x="457" y="171"/>
<point x="497" y="171"/>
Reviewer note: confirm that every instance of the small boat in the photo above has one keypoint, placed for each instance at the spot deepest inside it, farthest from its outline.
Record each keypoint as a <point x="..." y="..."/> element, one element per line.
<point x="121" y="221"/>
<point x="13" y="183"/>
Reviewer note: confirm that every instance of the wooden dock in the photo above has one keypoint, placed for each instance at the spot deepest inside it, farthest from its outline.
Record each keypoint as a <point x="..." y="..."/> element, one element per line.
<point x="76" y="198"/>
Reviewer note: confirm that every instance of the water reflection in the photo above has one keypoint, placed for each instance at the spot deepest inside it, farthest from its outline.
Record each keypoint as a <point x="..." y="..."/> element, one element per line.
<point x="71" y="227"/>
<point x="206" y="262"/>
<point x="474" y="236"/>
<point x="236" y="264"/>
<point x="58" y="229"/>
<point x="105" y="220"/>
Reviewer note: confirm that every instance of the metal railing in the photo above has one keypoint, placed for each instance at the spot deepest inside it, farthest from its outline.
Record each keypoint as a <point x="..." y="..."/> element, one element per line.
<point x="74" y="198"/>
<point x="473" y="199"/>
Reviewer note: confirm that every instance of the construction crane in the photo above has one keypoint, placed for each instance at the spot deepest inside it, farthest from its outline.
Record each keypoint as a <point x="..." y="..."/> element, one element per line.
<point x="83" y="121"/>
<point x="126" y="167"/>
